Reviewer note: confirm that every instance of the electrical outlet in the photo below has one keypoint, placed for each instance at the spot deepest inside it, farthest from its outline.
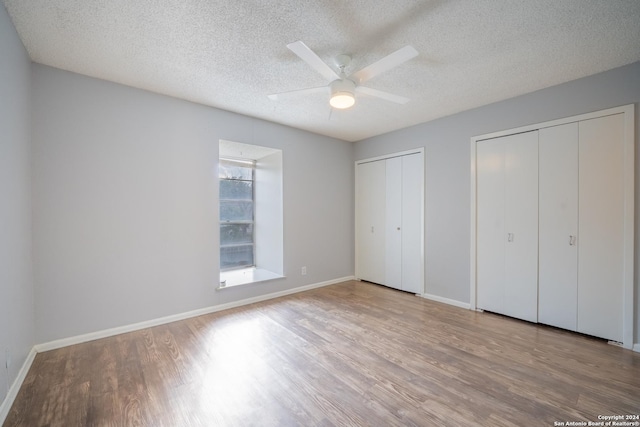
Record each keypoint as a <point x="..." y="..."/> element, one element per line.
<point x="304" y="271"/>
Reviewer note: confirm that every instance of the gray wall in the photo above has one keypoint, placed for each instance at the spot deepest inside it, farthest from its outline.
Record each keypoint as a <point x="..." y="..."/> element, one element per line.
<point x="446" y="142"/>
<point x="125" y="215"/>
<point x="16" y="284"/>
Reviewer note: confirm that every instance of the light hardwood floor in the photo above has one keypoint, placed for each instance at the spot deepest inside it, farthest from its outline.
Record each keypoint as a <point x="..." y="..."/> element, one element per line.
<point x="348" y="354"/>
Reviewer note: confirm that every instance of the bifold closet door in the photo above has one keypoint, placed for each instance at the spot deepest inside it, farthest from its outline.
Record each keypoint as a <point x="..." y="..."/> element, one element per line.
<point x="554" y="224"/>
<point x="601" y="227"/>
<point x="393" y="227"/>
<point x="490" y="211"/>
<point x="403" y="262"/>
<point x="558" y="226"/>
<point x="389" y="221"/>
<point x="371" y="221"/>
<point x="507" y="225"/>
<point x="412" y="230"/>
<point x="521" y="224"/>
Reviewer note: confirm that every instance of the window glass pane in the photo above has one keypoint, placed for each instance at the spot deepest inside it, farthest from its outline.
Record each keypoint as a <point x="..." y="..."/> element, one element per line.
<point x="236" y="210"/>
<point x="232" y="234"/>
<point x="232" y="189"/>
<point x="234" y="172"/>
<point x="236" y="257"/>
<point x="236" y="214"/>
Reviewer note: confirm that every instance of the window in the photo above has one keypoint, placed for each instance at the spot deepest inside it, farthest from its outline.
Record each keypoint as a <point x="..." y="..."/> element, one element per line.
<point x="251" y="213"/>
<point x="237" y="213"/>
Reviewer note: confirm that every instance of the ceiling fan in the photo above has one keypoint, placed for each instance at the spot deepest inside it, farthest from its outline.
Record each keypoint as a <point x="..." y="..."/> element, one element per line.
<point x="342" y="87"/>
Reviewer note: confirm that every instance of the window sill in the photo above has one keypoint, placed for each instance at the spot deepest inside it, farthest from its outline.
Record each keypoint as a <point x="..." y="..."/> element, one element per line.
<point x="229" y="279"/>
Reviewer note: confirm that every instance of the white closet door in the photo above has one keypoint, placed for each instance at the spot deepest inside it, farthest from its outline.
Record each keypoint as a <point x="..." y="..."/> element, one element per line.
<point x="393" y="228"/>
<point x="558" y="226"/>
<point x="412" y="234"/>
<point x="490" y="231"/>
<point x="521" y="225"/>
<point x="507" y="227"/>
<point x="601" y="227"/>
<point x="370" y="214"/>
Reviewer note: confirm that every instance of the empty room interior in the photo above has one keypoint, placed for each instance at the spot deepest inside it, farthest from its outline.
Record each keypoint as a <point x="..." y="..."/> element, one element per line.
<point x="238" y="213"/>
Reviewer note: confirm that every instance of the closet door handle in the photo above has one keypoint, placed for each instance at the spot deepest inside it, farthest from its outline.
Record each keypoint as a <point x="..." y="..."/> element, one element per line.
<point x="509" y="237"/>
<point x="572" y="240"/>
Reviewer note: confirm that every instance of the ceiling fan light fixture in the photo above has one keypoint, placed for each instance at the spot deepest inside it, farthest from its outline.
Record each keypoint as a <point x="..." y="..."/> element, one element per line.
<point x="342" y="100"/>
<point x="342" y="94"/>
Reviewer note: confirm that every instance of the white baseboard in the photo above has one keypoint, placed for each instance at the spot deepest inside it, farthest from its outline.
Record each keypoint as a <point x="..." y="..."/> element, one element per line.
<point x="447" y="301"/>
<point x="636" y="347"/>
<point x="15" y="387"/>
<point x="52" y="345"/>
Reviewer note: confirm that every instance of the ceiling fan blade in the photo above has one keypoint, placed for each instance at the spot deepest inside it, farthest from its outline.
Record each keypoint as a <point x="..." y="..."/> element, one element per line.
<point x="309" y="56"/>
<point x="388" y="62"/>
<point x="278" y="96"/>
<point x="382" y="95"/>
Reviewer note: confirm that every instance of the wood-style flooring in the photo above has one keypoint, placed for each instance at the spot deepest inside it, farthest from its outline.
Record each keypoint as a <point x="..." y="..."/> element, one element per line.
<point x="351" y="354"/>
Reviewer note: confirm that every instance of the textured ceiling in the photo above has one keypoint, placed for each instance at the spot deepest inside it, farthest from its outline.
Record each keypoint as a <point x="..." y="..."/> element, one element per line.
<point x="231" y="54"/>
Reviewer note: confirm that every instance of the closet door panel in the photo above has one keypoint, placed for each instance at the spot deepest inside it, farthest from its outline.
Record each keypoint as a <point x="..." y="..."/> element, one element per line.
<point x="393" y="227"/>
<point x="521" y="225"/>
<point x="601" y="227"/>
<point x="370" y="214"/>
<point x="490" y="227"/>
<point x="558" y="226"/>
<point x="412" y="234"/>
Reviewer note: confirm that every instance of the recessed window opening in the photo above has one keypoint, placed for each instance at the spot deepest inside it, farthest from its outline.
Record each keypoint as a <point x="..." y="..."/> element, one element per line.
<point x="251" y="213"/>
